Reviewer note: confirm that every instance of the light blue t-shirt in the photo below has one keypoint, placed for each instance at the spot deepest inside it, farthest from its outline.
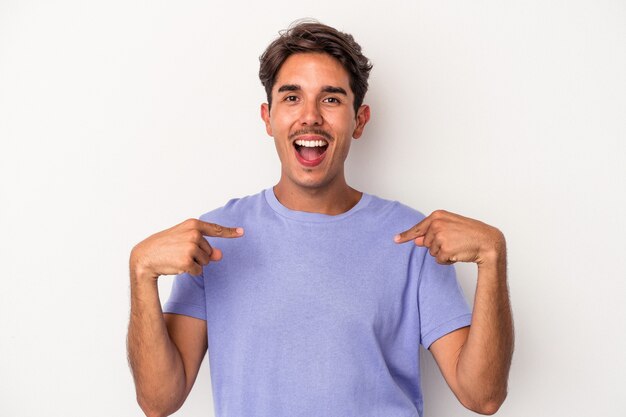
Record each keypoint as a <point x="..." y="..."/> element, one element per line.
<point x="313" y="315"/>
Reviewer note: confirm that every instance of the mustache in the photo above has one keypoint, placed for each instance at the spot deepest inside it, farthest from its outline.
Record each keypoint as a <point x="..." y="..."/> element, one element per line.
<point x="319" y="132"/>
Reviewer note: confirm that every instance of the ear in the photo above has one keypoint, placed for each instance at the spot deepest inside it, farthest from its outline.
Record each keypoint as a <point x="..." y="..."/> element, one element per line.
<point x="265" y="115"/>
<point x="362" y="117"/>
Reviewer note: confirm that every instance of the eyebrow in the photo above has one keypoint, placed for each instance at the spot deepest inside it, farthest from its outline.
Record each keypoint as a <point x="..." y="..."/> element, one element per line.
<point x="325" y="89"/>
<point x="335" y="90"/>
<point x="289" y="87"/>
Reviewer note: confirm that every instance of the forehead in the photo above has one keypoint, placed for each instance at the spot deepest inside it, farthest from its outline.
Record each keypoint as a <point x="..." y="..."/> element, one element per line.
<point x="313" y="70"/>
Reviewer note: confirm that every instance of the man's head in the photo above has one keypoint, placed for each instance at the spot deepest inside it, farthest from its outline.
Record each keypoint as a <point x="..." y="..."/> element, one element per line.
<point x="314" y="37"/>
<point x="312" y="75"/>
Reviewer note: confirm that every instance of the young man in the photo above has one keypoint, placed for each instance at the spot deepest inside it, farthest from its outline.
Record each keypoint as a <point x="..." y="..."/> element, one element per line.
<point x="318" y="309"/>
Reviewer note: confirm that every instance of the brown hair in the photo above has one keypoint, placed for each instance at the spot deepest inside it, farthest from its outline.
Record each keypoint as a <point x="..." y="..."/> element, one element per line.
<point x="312" y="36"/>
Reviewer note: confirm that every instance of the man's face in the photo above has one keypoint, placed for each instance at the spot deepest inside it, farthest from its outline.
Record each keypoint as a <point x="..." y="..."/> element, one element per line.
<point x="312" y="120"/>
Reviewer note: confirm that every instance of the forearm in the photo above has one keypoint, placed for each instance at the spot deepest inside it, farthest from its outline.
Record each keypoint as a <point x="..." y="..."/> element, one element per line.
<point x="155" y="361"/>
<point x="485" y="359"/>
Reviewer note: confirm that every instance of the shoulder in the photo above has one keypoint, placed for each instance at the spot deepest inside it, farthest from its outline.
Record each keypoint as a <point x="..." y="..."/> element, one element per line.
<point x="393" y="212"/>
<point x="235" y="209"/>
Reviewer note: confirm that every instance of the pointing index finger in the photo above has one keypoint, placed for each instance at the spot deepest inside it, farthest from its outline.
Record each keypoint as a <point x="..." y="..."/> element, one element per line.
<point x="414" y="232"/>
<point x="216" y="230"/>
<point x="407" y="235"/>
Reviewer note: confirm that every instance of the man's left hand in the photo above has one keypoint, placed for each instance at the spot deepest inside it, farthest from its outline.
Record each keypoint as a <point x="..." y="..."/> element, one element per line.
<point x="453" y="238"/>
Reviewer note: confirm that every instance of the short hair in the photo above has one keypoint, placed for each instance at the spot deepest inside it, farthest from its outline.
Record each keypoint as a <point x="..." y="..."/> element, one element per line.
<point x="306" y="36"/>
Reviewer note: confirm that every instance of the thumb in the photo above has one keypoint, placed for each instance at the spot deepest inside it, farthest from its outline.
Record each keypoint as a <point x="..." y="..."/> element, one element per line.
<point x="216" y="255"/>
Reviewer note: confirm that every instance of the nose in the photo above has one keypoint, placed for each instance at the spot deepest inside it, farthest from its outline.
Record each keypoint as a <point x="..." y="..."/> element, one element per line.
<point x="311" y="115"/>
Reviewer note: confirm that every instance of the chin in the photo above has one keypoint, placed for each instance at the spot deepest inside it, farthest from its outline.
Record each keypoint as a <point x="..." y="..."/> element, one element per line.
<point x="310" y="183"/>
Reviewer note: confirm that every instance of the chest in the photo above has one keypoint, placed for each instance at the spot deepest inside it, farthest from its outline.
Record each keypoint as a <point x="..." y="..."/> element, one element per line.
<point x="299" y="283"/>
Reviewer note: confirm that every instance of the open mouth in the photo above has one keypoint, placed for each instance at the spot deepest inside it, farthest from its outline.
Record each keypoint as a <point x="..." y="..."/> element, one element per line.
<point x="310" y="152"/>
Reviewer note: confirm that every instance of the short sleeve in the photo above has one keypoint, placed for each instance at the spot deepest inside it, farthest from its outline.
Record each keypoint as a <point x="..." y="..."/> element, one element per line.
<point x="187" y="297"/>
<point x="442" y="306"/>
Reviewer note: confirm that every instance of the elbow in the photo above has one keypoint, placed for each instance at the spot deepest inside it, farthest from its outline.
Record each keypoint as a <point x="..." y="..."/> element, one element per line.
<point x="151" y="409"/>
<point x="150" y="413"/>
<point x="486" y="406"/>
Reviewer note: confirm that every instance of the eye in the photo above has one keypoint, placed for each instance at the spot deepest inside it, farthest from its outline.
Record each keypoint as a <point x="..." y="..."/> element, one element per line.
<point x="291" y="98"/>
<point x="332" y="100"/>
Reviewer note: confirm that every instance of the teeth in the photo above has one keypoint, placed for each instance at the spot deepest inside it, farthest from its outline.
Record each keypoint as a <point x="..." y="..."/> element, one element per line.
<point x="311" y="143"/>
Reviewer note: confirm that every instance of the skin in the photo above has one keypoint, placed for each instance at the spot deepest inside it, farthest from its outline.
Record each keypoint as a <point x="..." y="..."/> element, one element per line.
<point x="312" y="99"/>
<point x="310" y="107"/>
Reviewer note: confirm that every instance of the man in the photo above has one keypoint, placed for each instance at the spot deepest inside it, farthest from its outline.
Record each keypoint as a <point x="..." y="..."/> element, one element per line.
<point x="318" y="309"/>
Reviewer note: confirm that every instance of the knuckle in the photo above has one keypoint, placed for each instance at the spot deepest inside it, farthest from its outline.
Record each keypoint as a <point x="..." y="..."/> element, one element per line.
<point x="438" y="214"/>
<point x="499" y="236"/>
<point x="195" y="235"/>
<point x="219" y="230"/>
<point x="437" y="225"/>
<point x="190" y="248"/>
<point x="189" y="263"/>
<point x="190" y="222"/>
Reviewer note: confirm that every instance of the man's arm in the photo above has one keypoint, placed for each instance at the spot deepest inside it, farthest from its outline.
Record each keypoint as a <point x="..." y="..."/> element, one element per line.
<point x="165" y="351"/>
<point x="475" y="360"/>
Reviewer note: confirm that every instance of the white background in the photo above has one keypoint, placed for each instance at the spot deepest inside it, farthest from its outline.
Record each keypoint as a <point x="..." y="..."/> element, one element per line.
<point x="121" y="118"/>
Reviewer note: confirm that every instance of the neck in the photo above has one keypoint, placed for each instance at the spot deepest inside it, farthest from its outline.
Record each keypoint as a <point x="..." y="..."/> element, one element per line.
<point x="332" y="200"/>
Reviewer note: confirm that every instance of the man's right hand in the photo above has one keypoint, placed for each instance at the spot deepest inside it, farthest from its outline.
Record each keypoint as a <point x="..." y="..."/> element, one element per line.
<point x="179" y="249"/>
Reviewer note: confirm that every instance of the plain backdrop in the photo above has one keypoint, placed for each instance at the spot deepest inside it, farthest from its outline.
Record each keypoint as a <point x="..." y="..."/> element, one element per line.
<point x="122" y="118"/>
